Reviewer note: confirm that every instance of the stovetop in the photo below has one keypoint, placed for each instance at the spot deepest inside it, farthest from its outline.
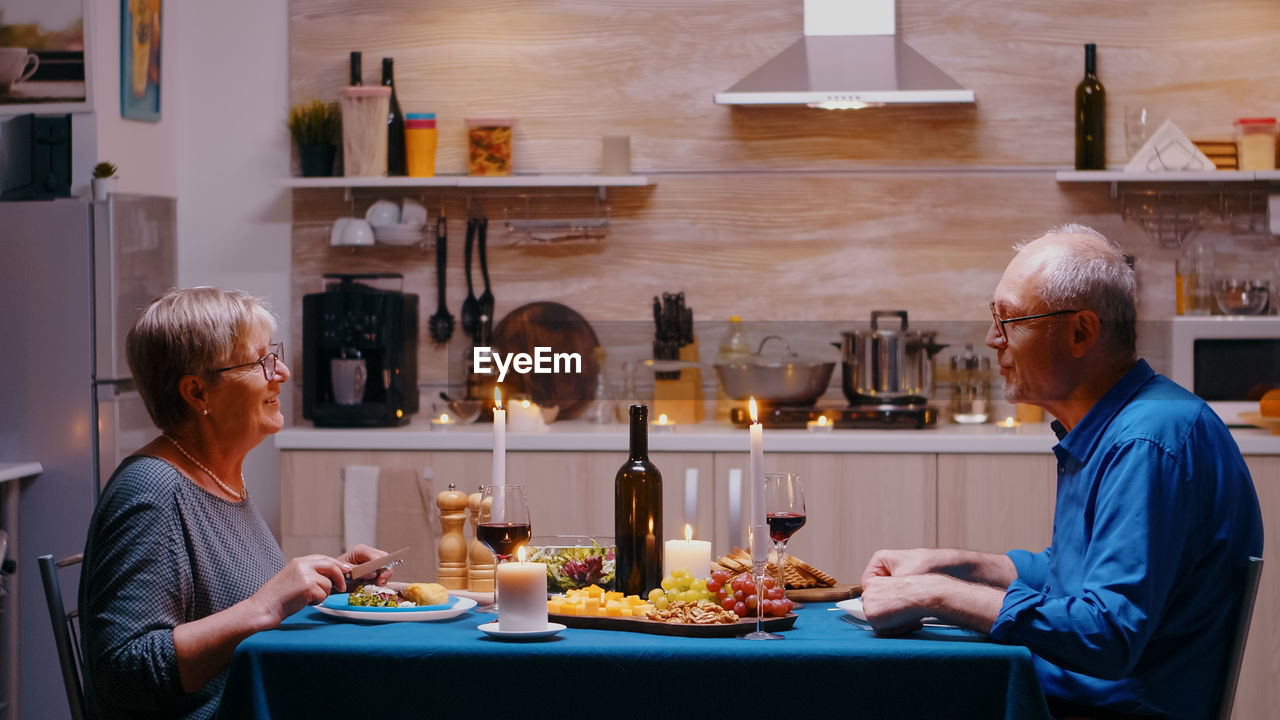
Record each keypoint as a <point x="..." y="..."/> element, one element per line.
<point x="864" y="417"/>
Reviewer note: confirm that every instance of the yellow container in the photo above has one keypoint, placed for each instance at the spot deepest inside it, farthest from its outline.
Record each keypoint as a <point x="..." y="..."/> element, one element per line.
<point x="489" y="146"/>
<point x="420" y="141"/>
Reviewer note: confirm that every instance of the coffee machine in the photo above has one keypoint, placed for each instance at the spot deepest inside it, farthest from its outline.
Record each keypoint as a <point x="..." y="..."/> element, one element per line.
<point x="360" y="352"/>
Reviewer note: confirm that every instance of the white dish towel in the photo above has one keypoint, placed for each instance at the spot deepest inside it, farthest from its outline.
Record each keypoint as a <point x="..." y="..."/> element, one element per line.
<point x="359" y="505"/>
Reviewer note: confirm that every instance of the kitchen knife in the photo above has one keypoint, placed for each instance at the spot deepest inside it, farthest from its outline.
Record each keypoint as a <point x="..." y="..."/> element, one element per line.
<point x="365" y="568"/>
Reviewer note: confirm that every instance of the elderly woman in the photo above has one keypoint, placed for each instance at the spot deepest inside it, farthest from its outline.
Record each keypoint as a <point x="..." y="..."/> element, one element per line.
<point x="179" y="567"/>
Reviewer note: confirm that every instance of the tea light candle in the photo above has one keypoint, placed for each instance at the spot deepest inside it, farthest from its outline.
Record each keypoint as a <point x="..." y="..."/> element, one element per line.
<point x="820" y="425"/>
<point x="662" y="424"/>
<point x="756" y="466"/>
<point x="499" y="476"/>
<point x="525" y="416"/>
<point x="522" y="595"/>
<point x="444" y="422"/>
<point x="688" y="554"/>
<point x="1008" y="426"/>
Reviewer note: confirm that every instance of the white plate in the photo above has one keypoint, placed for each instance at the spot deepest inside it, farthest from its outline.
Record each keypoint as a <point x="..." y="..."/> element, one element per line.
<point x="491" y="629"/>
<point x="337" y="606"/>
<point x="853" y="606"/>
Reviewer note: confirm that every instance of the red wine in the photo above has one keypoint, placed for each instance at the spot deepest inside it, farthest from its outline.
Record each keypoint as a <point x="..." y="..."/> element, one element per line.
<point x="637" y="514"/>
<point x="503" y="538"/>
<point x="1091" y="116"/>
<point x="784" y="524"/>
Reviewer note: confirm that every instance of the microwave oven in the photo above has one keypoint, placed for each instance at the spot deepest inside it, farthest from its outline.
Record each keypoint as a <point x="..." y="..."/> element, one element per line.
<point x="1229" y="361"/>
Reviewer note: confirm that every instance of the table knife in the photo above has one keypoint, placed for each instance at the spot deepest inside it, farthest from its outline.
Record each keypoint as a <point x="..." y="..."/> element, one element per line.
<point x="365" y="568"/>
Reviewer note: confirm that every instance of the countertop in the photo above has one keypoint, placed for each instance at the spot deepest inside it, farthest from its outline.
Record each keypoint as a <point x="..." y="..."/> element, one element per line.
<point x="582" y="436"/>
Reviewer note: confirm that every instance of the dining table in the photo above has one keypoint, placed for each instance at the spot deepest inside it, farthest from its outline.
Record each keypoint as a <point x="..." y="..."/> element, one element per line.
<point x="318" y="666"/>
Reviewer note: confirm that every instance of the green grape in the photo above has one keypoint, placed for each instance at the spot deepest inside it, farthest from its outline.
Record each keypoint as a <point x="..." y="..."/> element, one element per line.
<point x="668" y="582"/>
<point x="662" y="603"/>
<point x="654" y="594"/>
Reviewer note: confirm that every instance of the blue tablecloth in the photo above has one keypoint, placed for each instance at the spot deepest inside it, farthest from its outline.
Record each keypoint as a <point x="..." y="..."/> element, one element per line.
<point x="316" y="666"/>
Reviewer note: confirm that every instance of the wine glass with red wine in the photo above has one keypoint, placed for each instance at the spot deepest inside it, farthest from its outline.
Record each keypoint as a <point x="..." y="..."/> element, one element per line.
<point x="784" y="511"/>
<point x="504" y="525"/>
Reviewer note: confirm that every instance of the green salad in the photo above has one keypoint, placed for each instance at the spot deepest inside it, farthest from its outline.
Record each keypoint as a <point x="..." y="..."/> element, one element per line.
<point x="570" y="568"/>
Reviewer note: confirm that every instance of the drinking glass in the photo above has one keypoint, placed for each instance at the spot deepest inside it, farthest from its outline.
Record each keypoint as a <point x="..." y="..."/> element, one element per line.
<point x="758" y="539"/>
<point x="1138" y="127"/>
<point x="504" y="526"/>
<point x="784" y="511"/>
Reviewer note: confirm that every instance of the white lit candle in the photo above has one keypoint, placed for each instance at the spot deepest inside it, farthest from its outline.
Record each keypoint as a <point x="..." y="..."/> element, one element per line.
<point x="444" y="422"/>
<point x="687" y="554"/>
<point x="525" y="416"/>
<point x="663" y="423"/>
<point x="522" y="605"/>
<point x="1008" y="426"/>
<point x="499" y="477"/>
<point x="819" y="425"/>
<point x="757" y="466"/>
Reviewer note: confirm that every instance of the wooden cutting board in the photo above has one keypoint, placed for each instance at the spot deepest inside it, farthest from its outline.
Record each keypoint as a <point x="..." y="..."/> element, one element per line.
<point x="835" y="593"/>
<point x="654" y="627"/>
<point x="550" y="324"/>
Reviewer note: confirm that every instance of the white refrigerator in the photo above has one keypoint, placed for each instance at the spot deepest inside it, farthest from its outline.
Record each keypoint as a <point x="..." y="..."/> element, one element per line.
<point x="73" y="277"/>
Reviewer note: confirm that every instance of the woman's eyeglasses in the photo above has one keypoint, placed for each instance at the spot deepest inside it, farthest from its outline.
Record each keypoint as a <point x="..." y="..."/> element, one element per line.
<point x="268" y="362"/>
<point x="1001" y="322"/>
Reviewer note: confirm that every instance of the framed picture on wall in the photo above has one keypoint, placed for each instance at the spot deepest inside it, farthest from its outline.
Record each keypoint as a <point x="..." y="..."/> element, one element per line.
<point x="43" y="56"/>
<point x="140" y="60"/>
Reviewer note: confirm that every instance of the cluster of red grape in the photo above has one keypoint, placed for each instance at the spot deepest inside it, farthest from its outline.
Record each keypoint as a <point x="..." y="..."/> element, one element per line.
<point x="739" y="594"/>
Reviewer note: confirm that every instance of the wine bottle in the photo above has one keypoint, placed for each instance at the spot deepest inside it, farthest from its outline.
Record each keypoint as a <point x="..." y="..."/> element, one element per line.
<point x="1091" y="116"/>
<point x="395" y="125"/>
<point x="356" y="76"/>
<point x="637" y="513"/>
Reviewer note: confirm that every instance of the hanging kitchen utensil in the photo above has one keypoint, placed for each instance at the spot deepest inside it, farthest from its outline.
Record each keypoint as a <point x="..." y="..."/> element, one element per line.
<point x="470" y="314"/>
<point x="441" y="324"/>
<point x="486" y="297"/>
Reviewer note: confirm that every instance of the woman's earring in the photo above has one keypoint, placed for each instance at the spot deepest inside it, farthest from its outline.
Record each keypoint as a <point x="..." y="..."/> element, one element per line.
<point x="204" y="412"/>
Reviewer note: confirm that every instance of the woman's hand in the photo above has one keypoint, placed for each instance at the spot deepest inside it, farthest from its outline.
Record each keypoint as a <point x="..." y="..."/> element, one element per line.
<point x="364" y="553"/>
<point x="304" y="581"/>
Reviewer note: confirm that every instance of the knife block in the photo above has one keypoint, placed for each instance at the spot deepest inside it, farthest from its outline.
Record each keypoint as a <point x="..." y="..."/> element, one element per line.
<point x="480" y="572"/>
<point x="681" y="399"/>
<point x="451" y="572"/>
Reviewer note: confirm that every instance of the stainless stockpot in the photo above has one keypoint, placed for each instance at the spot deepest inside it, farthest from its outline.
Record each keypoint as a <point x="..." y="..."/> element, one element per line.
<point x="888" y="364"/>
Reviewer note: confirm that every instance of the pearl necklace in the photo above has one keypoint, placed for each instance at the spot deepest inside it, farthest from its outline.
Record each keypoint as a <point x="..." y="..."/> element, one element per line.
<point x="242" y="495"/>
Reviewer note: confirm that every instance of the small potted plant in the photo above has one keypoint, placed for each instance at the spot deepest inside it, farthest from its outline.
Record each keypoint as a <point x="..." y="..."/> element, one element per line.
<point x="315" y="126"/>
<point x="104" y="181"/>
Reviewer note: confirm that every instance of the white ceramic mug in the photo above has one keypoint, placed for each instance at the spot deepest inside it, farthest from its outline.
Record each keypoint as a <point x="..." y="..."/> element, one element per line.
<point x="348" y="376"/>
<point x="339" y="225"/>
<point x="383" y="212"/>
<point x="16" y="65"/>
<point x="412" y="213"/>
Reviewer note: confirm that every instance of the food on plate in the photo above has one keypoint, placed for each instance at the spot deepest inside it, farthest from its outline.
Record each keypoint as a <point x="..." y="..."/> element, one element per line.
<point x="702" y="612"/>
<point x="798" y="573"/>
<point x="594" y="600"/>
<point x="382" y="596"/>
<point x="1270" y="404"/>
<point x="573" y="568"/>
<point x="426" y="594"/>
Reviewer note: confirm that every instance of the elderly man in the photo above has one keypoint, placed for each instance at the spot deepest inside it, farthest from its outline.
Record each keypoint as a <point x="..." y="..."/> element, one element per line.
<point x="1128" y="608"/>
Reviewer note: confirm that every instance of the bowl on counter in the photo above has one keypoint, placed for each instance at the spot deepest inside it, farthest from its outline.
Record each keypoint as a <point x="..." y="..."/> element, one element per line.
<point x="575" y="561"/>
<point x="464" y="412"/>
<point x="1242" y="296"/>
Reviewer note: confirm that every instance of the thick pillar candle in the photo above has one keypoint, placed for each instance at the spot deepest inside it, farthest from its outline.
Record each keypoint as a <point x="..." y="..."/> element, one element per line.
<point x="525" y="416"/>
<point x="688" y="554"/>
<point x="522" y="596"/>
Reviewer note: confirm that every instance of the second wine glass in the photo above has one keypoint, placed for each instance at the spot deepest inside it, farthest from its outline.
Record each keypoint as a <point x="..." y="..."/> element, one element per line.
<point x="504" y="525"/>
<point x="785" y="513"/>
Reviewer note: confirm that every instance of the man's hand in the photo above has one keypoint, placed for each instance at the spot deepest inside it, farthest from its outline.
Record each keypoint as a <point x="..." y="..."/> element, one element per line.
<point x="899" y="563"/>
<point x="897" y="605"/>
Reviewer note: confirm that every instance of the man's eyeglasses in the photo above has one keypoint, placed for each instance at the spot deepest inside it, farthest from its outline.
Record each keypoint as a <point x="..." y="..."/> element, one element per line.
<point x="268" y="362"/>
<point x="1001" y="322"/>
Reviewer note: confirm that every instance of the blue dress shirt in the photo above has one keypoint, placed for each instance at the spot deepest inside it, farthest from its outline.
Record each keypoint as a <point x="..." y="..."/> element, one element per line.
<point x="1131" y="606"/>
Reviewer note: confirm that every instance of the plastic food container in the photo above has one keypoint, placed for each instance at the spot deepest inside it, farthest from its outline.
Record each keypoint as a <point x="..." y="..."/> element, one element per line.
<point x="489" y="146"/>
<point x="364" y="130"/>
<point x="420" y="140"/>
<point x="1256" y="143"/>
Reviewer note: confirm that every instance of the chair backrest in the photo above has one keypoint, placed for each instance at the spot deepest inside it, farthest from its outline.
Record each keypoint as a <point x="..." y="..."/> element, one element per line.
<point x="1241" y="635"/>
<point x="65" y="631"/>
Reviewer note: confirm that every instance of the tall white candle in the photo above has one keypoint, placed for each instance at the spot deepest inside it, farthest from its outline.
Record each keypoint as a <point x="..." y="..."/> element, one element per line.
<point x="757" y="467"/>
<point x="522" y="589"/>
<point x="499" y="477"/>
<point x="688" y="554"/>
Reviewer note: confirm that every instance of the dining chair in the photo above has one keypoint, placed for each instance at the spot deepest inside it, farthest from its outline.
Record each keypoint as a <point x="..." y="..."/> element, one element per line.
<point x="66" y="633"/>
<point x="1248" y="595"/>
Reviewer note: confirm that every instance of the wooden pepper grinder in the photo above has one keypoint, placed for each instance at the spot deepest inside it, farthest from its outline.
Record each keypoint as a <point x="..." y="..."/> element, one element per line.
<point x="451" y="572"/>
<point x="480" y="574"/>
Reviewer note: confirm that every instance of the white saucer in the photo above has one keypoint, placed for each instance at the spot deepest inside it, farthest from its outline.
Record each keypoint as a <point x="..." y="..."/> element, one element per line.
<point x="491" y="629"/>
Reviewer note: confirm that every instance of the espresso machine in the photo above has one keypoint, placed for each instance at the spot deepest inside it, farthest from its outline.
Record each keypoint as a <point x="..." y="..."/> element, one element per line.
<point x="360" y="352"/>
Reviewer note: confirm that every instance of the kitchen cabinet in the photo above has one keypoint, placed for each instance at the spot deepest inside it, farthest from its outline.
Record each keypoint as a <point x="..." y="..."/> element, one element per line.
<point x="994" y="503"/>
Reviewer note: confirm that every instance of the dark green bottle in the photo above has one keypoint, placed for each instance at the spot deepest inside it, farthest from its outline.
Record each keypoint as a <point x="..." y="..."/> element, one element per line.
<point x="1091" y="116"/>
<point x="637" y="514"/>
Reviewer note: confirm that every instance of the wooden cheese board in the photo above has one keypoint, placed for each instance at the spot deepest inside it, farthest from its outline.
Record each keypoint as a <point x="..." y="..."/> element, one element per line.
<point x="654" y="627"/>
<point x="835" y="593"/>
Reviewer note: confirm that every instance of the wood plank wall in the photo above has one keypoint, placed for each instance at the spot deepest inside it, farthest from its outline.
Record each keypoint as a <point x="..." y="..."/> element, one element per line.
<point x="774" y="214"/>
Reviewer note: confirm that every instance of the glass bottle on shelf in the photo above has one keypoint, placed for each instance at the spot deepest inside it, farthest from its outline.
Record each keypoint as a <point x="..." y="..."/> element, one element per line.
<point x="1195" y="278"/>
<point x="1091" y="116"/>
<point x="395" y="125"/>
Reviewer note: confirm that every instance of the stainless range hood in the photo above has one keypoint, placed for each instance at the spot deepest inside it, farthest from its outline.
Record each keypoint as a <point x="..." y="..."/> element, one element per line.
<point x="850" y="57"/>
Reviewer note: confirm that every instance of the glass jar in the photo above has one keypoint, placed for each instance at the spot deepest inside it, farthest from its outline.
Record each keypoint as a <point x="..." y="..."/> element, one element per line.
<point x="1256" y="143"/>
<point x="970" y="388"/>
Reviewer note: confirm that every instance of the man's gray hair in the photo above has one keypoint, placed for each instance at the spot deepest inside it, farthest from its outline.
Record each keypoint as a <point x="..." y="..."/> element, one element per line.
<point x="1097" y="277"/>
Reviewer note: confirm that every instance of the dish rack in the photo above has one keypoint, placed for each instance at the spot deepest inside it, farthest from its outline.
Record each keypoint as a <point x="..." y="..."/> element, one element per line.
<point x="1172" y="217"/>
<point x="556" y="220"/>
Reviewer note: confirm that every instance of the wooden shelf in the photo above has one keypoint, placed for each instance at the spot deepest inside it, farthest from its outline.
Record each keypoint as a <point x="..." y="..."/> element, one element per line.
<point x="1114" y="176"/>
<point x="467" y="181"/>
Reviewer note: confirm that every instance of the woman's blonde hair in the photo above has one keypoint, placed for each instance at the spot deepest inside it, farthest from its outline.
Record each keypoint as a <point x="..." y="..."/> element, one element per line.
<point x="191" y="331"/>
